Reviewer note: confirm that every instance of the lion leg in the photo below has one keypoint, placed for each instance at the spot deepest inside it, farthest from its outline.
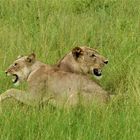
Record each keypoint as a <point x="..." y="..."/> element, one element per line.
<point x="19" y="95"/>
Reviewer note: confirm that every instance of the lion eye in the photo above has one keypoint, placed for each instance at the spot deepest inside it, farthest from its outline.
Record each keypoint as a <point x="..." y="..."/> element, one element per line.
<point x="15" y="64"/>
<point x="93" y="55"/>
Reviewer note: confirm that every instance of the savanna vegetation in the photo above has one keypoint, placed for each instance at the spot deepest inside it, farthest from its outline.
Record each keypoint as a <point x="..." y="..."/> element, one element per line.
<point x="51" y="28"/>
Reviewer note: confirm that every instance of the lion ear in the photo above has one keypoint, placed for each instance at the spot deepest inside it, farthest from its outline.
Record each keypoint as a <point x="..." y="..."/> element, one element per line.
<point x="31" y="58"/>
<point x="77" y="52"/>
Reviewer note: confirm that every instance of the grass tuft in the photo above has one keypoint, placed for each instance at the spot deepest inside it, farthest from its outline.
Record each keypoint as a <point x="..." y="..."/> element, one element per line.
<point x="50" y="28"/>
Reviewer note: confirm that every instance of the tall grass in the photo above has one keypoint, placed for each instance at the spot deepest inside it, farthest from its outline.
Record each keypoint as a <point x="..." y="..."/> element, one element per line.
<point x="51" y="28"/>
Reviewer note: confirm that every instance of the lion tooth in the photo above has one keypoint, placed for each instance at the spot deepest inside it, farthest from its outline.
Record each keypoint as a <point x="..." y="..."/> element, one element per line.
<point x="100" y="71"/>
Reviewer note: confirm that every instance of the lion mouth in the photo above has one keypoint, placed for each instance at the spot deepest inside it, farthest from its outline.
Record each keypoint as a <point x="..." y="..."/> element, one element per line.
<point x="97" y="72"/>
<point x="15" y="78"/>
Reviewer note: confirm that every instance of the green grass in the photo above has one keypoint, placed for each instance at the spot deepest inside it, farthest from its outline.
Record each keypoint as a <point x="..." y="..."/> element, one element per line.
<point x="51" y="28"/>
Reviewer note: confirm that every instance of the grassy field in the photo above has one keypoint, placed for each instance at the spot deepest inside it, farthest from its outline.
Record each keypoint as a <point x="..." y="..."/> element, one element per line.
<point x="51" y="28"/>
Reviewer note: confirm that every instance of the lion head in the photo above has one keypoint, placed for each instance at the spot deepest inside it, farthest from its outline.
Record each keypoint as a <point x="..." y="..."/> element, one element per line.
<point x="21" y="68"/>
<point x="83" y="60"/>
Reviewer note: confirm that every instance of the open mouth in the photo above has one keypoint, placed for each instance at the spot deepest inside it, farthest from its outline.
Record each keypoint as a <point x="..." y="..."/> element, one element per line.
<point x="97" y="72"/>
<point x="15" y="78"/>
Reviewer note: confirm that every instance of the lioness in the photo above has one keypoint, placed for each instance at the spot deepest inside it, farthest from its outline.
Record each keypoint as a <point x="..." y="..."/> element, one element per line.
<point x="46" y="83"/>
<point x="80" y="60"/>
<point x="83" y="60"/>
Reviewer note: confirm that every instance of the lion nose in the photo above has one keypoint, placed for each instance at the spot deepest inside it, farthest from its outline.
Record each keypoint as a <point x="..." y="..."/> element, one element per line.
<point x="6" y="72"/>
<point x="106" y="61"/>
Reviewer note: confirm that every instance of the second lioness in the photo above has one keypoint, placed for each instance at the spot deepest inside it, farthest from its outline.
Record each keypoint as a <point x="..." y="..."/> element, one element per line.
<point x="47" y="82"/>
<point x="83" y="60"/>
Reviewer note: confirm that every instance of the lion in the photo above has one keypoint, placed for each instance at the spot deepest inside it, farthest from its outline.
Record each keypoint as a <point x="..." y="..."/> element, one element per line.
<point x="46" y="83"/>
<point x="83" y="60"/>
<point x="22" y="72"/>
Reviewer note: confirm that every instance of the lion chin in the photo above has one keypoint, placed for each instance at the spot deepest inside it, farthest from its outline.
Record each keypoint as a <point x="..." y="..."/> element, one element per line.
<point x="17" y="83"/>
